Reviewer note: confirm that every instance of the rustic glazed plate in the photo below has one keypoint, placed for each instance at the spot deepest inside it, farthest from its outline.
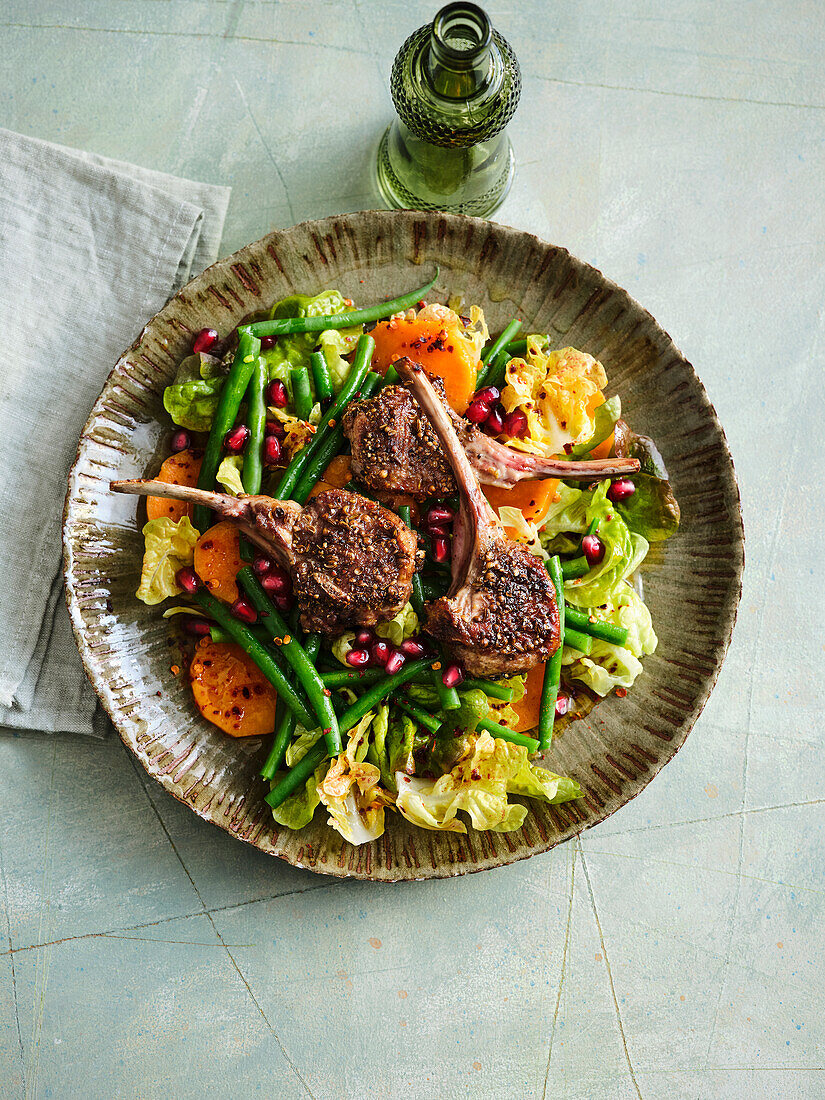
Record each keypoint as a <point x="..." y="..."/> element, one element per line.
<point x="692" y="583"/>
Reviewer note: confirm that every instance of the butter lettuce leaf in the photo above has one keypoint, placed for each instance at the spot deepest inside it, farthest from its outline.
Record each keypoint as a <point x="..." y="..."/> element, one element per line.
<point x="403" y="626"/>
<point x="294" y="351"/>
<point x="604" y="421"/>
<point x="610" y="666"/>
<point x="297" y="811"/>
<point x="624" y="553"/>
<point x="192" y="398"/>
<point x="229" y="474"/>
<point x="168" y="547"/>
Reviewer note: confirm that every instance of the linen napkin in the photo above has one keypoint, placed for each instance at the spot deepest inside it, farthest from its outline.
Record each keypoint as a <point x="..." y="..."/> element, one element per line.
<point x="90" y="249"/>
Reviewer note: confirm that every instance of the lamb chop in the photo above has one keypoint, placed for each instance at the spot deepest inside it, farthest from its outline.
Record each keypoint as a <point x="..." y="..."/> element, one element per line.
<point x="351" y="560"/>
<point x="500" y="615"/>
<point x="396" y="451"/>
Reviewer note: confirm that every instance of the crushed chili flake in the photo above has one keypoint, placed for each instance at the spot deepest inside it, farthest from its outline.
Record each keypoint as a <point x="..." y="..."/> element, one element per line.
<point x="175" y="670"/>
<point x="621" y="692"/>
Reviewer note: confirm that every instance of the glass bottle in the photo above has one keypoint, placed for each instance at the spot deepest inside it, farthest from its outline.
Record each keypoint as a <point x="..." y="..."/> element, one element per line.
<point x="455" y="84"/>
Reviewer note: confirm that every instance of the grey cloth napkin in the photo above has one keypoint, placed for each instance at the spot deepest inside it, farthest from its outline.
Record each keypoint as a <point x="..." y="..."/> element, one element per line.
<point x="90" y="249"/>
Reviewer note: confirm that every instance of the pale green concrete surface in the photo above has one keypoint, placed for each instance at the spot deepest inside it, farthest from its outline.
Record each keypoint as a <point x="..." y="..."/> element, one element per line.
<point x="675" y="951"/>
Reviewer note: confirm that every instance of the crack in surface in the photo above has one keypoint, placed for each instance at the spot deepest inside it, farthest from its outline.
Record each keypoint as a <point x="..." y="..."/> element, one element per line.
<point x="564" y="959"/>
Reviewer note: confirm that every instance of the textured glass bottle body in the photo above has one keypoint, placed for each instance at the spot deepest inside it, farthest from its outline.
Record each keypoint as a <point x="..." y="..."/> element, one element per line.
<point x="448" y="149"/>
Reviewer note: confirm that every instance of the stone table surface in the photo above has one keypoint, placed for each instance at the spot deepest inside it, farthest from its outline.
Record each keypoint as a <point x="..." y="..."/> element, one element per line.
<point x="677" y="949"/>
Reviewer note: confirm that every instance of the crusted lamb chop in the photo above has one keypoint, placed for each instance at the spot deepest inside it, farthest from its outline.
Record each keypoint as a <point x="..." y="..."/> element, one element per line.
<point x="500" y="615"/>
<point x="351" y="560"/>
<point x="395" y="450"/>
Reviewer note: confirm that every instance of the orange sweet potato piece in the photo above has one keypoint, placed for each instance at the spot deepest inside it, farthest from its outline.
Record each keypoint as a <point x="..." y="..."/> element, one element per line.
<point x="218" y="559"/>
<point x="529" y="706"/>
<point x="339" y="471"/>
<point x="437" y="346"/>
<point x="231" y="691"/>
<point x="182" y="468"/>
<point x="532" y="497"/>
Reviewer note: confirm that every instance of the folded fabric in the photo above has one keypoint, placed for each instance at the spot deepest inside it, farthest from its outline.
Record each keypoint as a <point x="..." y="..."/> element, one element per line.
<point x="90" y="249"/>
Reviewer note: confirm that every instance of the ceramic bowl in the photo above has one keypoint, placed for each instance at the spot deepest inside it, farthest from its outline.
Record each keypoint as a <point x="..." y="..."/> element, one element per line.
<point x="692" y="582"/>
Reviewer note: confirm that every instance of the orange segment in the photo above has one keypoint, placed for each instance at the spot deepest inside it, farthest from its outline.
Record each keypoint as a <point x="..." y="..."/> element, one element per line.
<point x="231" y="691"/>
<point x="218" y="559"/>
<point x="179" y="469"/>
<point x="534" y="498"/>
<point x="529" y="706"/>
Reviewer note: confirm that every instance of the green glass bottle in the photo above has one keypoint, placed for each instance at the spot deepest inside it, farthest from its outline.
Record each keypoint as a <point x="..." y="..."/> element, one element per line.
<point x="455" y="84"/>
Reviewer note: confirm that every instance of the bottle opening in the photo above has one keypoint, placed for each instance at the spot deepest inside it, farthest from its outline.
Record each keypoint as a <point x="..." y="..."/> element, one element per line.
<point x="461" y="34"/>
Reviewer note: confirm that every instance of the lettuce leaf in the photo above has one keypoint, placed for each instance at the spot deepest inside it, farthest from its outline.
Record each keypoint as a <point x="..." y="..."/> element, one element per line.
<point x="478" y="785"/>
<point x="168" y="547"/>
<point x="604" y="421"/>
<point x="624" y="552"/>
<point x="652" y="511"/>
<point x="404" y="625"/>
<point x="297" y="811"/>
<point x="301" y="743"/>
<point x="568" y="513"/>
<point x="609" y="666"/>
<point x="192" y="398"/>
<point x="294" y="351"/>
<point x="352" y="793"/>
<point x="229" y="474"/>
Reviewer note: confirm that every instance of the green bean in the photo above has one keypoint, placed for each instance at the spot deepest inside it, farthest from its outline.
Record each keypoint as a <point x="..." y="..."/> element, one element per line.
<point x="253" y="459"/>
<point x="343" y="677"/>
<point x="497" y="368"/>
<point x="417" y="596"/>
<point x="576" y="640"/>
<point x="492" y="351"/>
<point x="552" y="671"/>
<point x="244" y="637"/>
<point x="350" y="718"/>
<point x="506" y="734"/>
<point x="517" y="349"/>
<point x="331" y="446"/>
<point x="576" y="567"/>
<point x="295" y="654"/>
<point x="286" y="727"/>
<point x="301" y="392"/>
<point x="218" y="634"/>
<point x="321" y="377"/>
<point x="329" y="421"/>
<point x="428" y="721"/>
<point x="287" y="325"/>
<point x="580" y="620"/>
<point x="232" y="392"/>
<point x="391" y="376"/>
<point x="447" y="696"/>
<point x="490" y="688"/>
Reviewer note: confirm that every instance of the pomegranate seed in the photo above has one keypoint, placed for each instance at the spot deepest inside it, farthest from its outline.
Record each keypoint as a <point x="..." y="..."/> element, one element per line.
<point x="440" y="514"/>
<point x="187" y="579"/>
<point x="276" y="394"/>
<point x="620" y="490"/>
<point x="380" y="651"/>
<point x="495" y="421"/>
<point x="364" y="638"/>
<point x="276" y="581"/>
<point x="489" y="395"/>
<point x="274" y="427"/>
<point x="272" y="450"/>
<point x="411" y="647"/>
<point x="242" y="609"/>
<point x="357" y="658"/>
<point x="395" y="662"/>
<point x="199" y="628"/>
<point x="261" y="565"/>
<point x="515" y="424"/>
<point x="180" y="441"/>
<point x="593" y="549"/>
<point x="235" y="439"/>
<point x="206" y="339"/>
<point x="267" y="342"/>
<point x="477" y="412"/>
<point x="283" y="602"/>
<point x="452" y="676"/>
<point x="562" y="705"/>
<point x="441" y="549"/>
<point x="438" y="532"/>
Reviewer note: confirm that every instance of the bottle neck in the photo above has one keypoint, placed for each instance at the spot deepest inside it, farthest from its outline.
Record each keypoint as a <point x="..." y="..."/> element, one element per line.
<point x="458" y="59"/>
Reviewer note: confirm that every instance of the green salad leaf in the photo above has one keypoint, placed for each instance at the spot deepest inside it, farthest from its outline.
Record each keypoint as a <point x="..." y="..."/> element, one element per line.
<point x="609" y="666"/>
<point x="192" y="398"/>
<point x="168" y="547"/>
<point x="402" y="626"/>
<point x="652" y="511"/>
<point x="624" y="552"/>
<point x="229" y="474"/>
<point x="297" y="811"/>
<point x="604" y="421"/>
<point x="294" y="351"/>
